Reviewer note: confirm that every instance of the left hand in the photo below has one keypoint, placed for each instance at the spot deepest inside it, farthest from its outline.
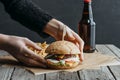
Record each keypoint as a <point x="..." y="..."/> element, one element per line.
<point x="17" y="47"/>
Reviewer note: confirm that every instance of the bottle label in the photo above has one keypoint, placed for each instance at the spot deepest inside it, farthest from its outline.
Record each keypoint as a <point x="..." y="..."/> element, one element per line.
<point x="87" y="1"/>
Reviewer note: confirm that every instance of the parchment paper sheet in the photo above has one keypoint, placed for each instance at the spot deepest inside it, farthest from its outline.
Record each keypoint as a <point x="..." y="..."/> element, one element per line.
<point x="91" y="61"/>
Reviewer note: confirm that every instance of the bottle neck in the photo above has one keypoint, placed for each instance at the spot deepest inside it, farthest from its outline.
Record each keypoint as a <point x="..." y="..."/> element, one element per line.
<point x="87" y="11"/>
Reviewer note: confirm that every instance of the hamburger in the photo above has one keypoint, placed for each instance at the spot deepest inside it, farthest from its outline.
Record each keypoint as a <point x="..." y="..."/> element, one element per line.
<point x="62" y="55"/>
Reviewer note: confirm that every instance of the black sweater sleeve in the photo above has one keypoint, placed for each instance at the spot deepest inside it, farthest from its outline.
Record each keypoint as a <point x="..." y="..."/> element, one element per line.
<point x="28" y="14"/>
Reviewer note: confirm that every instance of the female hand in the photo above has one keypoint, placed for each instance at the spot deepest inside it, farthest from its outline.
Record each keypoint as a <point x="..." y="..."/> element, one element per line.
<point x="55" y="28"/>
<point x="17" y="47"/>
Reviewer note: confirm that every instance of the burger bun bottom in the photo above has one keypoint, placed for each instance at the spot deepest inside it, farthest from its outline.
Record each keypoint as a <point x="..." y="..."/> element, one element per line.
<point x="53" y="66"/>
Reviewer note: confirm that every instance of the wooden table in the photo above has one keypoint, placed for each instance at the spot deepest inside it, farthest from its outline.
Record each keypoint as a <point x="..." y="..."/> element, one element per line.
<point x="104" y="73"/>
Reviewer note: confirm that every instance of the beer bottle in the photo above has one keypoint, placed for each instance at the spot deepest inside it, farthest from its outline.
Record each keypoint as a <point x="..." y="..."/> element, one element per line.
<point x="87" y="28"/>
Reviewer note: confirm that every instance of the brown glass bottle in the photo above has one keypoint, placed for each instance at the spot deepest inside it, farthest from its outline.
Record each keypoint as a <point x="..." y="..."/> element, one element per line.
<point x="87" y="28"/>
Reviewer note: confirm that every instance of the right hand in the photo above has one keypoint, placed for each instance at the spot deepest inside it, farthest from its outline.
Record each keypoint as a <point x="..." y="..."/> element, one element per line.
<point x="17" y="47"/>
<point x="55" y="29"/>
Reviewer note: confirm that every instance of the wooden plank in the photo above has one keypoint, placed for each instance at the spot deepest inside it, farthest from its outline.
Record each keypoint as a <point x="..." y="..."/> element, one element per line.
<point x="115" y="71"/>
<point x="52" y="76"/>
<point x="68" y="76"/>
<point x="22" y="74"/>
<point x="100" y="74"/>
<point x="114" y="49"/>
<point x="62" y="76"/>
<point x="104" y="50"/>
<point x="6" y="73"/>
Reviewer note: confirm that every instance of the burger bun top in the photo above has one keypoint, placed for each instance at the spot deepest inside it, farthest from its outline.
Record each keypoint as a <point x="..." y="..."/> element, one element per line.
<point x="62" y="47"/>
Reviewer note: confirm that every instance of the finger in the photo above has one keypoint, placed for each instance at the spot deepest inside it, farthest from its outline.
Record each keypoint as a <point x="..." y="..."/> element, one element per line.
<point x="77" y="44"/>
<point x="30" y="62"/>
<point x="32" y="55"/>
<point x="70" y="35"/>
<point x="81" y="53"/>
<point x="79" y="40"/>
<point x="81" y="56"/>
<point x="31" y="44"/>
<point x="81" y="45"/>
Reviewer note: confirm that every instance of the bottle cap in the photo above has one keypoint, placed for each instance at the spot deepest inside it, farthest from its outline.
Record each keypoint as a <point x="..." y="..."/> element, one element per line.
<point x="87" y="1"/>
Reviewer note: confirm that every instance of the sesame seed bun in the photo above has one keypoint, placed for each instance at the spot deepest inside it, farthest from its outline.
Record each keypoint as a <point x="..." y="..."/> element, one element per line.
<point x="62" y="47"/>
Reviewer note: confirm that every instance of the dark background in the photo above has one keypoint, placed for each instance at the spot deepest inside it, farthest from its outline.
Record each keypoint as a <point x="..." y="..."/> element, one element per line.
<point x="106" y="16"/>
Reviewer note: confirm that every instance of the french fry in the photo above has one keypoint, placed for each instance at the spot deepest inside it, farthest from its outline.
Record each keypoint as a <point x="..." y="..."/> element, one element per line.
<point x="43" y="47"/>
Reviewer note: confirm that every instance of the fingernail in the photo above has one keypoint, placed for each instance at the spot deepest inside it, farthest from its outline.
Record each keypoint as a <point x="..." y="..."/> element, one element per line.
<point x="72" y="38"/>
